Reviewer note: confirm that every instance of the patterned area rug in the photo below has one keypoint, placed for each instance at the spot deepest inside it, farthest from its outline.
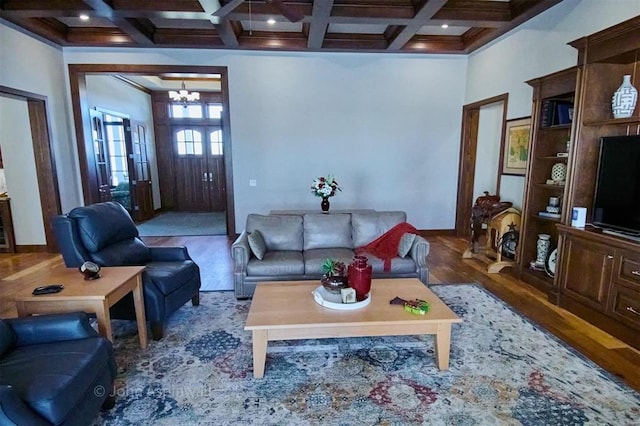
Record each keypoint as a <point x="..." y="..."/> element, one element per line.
<point x="504" y="371"/>
<point x="177" y="224"/>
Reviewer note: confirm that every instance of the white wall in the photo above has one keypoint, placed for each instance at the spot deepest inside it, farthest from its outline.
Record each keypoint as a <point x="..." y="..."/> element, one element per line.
<point x="387" y="126"/>
<point x="488" y="152"/>
<point x="20" y="172"/>
<point x="109" y="93"/>
<point x="37" y="67"/>
<point x="534" y="49"/>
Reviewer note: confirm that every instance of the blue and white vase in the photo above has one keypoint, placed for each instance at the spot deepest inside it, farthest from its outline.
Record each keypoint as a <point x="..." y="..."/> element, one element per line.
<point x="624" y="99"/>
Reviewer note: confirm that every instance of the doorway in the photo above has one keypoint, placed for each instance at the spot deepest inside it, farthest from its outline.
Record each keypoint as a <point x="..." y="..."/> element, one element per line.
<point x="45" y="165"/>
<point x="468" y="160"/>
<point x="77" y="75"/>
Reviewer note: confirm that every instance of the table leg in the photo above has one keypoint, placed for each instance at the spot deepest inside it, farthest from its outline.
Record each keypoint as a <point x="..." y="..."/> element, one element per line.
<point x="138" y="300"/>
<point x="104" y="320"/>
<point x="22" y="311"/>
<point x="443" y="345"/>
<point x="260" y="339"/>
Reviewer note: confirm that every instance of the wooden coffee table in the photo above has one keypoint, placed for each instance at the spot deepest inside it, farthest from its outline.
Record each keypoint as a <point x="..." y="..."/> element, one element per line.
<point x="95" y="296"/>
<point x="287" y="311"/>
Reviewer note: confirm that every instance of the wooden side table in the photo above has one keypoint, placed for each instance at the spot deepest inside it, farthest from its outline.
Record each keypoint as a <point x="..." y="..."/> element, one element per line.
<point x="95" y="296"/>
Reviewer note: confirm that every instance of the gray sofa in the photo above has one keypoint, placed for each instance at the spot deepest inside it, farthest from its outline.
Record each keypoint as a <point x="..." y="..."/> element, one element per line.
<point x="297" y="244"/>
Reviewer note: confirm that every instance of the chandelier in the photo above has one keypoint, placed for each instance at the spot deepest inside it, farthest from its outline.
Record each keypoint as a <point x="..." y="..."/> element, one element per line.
<point x="183" y="95"/>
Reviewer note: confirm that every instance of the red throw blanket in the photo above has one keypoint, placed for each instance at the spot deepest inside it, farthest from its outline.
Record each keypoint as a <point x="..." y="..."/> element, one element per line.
<point x="385" y="247"/>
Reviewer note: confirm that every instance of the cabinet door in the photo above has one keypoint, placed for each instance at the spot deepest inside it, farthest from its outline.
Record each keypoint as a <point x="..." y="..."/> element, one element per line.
<point x="587" y="272"/>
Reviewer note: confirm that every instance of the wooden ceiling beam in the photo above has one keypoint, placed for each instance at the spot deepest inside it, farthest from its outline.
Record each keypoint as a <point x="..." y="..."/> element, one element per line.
<point x="179" y="38"/>
<point x="42" y="28"/>
<point x="129" y="26"/>
<point x="222" y="25"/>
<point x="319" y="24"/>
<point x="401" y="20"/>
<point x="423" y="15"/>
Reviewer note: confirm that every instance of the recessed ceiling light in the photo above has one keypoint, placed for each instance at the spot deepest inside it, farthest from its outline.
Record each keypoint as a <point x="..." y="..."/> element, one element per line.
<point x="84" y="17"/>
<point x="271" y="21"/>
<point x="445" y="26"/>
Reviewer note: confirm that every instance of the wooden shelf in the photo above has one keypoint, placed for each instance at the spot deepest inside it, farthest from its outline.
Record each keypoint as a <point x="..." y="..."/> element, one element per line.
<point x="556" y="127"/>
<point x="612" y="121"/>
<point x="546" y="142"/>
<point x="538" y="279"/>
<point x="552" y="158"/>
<point x="547" y="186"/>
<point x="548" y="219"/>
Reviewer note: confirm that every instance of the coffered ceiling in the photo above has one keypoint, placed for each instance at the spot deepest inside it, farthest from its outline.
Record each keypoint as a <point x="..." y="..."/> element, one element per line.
<point x="407" y="26"/>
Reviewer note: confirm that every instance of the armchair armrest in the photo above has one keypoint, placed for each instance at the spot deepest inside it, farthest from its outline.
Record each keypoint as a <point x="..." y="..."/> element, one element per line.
<point x="14" y="411"/>
<point x="419" y="251"/>
<point x="241" y="252"/>
<point x="160" y="254"/>
<point x="51" y="328"/>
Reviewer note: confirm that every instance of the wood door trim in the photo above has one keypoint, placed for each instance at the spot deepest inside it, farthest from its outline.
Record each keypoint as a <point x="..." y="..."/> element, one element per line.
<point x="77" y="81"/>
<point x="467" y="160"/>
<point x="44" y="158"/>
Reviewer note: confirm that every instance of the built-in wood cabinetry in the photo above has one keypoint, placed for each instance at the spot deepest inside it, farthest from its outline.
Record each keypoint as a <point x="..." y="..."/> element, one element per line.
<point x="549" y="137"/>
<point x="597" y="275"/>
<point x="599" y="280"/>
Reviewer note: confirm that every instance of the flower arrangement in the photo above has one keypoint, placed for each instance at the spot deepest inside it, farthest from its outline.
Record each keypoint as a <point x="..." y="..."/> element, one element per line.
<point x="325" y="186"/>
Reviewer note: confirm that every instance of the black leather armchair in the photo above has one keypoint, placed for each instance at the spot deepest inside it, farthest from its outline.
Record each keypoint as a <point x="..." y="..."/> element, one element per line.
<point x="54" y="370"/>
<point x="104" y="233"/>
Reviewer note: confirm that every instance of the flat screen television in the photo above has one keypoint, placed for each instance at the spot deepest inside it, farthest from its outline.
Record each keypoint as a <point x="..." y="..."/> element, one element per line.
<point x="617" y="198"/>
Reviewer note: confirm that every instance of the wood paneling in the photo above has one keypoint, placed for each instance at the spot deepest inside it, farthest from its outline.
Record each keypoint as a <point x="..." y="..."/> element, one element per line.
<point x="205" y="23"/>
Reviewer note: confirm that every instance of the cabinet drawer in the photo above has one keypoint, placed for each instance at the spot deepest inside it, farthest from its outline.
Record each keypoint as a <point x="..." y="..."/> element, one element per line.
<point x="624" y="305"/>
<point x="628" y="267"/>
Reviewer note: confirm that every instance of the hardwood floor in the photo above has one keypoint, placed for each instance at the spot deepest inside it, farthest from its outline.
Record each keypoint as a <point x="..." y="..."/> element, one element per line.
<point x="446" y="266"/>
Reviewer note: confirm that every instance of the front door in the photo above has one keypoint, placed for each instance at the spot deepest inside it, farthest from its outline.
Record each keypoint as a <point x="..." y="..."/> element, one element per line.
<point x="199" y="168"/>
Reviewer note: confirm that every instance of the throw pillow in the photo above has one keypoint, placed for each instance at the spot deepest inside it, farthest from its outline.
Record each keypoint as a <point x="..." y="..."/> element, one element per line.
<point x="406" y="241"/>
<point x="257" y="245"/>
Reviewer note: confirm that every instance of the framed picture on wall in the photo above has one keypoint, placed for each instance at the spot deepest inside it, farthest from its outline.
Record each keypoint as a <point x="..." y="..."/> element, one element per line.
<point x="515" y="146"/>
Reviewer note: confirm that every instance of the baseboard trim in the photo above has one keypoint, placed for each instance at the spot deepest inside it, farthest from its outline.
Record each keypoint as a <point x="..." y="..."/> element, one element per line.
<point x="437" y="232"/>
<point x="31" y="249"/>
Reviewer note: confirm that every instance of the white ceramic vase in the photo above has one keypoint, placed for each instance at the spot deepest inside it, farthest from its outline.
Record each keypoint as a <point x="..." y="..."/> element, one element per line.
<point x="542" y="248"/>
<point x="624" y="99"/>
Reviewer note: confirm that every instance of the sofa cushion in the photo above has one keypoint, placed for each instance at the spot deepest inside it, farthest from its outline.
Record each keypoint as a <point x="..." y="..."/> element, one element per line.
<point x="257" y="244"/>
<point x="170" y="276"/>
<point x="327" y="231"/>
<point x="398" y="265"/>
<point x="369" y="226"/>
<point x="69" y="366"/>
<point x="7" y="337"/>
<point x="313" y="259"/>
<point x="279" y="232"/>
<point x="406" y="241"/>
<point x="277" y="263"/>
